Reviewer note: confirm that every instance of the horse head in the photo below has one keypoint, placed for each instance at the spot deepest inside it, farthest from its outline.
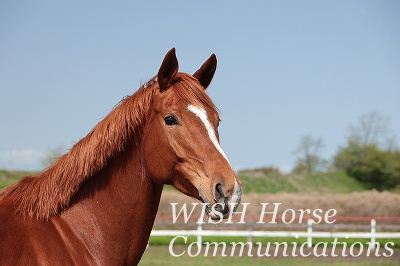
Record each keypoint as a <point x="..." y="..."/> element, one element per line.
<point x="181" y="141"/>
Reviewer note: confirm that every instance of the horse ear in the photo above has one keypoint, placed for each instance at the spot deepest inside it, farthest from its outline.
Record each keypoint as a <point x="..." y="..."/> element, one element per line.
<point x="168" y="69"/>
<point x="206" y="72"/>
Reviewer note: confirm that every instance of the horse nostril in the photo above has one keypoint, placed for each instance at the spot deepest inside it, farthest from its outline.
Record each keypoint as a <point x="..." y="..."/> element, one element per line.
<point x="218" y="192"/>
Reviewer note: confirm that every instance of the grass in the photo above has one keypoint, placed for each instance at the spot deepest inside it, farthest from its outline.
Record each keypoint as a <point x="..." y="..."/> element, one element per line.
<point x="161" y="256"/>
<point x="8" y="177"/>
<point x="261" y="181"/>
<point x="337" y="182"/>
<point x="266" y="185"/>
<point x="158" y="253"/>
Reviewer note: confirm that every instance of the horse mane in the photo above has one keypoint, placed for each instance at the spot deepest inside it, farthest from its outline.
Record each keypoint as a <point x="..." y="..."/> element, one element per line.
<point x="50" y="191"/>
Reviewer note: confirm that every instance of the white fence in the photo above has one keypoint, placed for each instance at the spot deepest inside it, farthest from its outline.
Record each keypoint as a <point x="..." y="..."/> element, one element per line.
<point x="250" y="233"/>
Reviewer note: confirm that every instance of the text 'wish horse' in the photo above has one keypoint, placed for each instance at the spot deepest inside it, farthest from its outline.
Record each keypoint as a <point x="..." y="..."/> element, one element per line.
<point x="97" y="203"/>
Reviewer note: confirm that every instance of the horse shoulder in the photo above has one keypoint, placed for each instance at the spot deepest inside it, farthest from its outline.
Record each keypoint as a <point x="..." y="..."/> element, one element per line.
<point x="26" y="241"/>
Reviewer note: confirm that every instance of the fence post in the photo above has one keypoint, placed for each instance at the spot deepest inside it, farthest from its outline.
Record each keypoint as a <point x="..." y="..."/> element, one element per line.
<point x="250" y="232"/>
<point x="309" y="232"/>
<point x="373" y="231"/>
<point x="199" y="234"/>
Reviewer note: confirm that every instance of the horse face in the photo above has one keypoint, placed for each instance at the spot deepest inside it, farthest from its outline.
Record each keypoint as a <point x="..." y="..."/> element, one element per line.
<point x="182" y="147"/>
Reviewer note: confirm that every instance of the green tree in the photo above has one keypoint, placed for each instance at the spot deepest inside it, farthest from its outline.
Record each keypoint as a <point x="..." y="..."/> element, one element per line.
<point x="365" y="158"/>
<point x="375" y="168"/>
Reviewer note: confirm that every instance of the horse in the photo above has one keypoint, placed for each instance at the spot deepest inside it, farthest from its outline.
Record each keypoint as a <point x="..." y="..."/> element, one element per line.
<point x="96" y="204"/>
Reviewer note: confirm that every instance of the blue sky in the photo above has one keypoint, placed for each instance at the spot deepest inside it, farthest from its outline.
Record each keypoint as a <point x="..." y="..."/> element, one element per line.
<point x="285" y="69"/>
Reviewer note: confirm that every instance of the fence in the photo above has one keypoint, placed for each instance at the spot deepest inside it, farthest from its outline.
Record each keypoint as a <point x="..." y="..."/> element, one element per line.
<point x="309" y="234"/>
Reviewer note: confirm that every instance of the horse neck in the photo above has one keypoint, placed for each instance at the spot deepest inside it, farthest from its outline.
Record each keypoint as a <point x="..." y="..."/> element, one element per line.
<point x="120" y="202"/>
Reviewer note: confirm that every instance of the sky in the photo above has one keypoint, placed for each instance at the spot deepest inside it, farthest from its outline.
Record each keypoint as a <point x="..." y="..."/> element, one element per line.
<point x="285" y="69"/>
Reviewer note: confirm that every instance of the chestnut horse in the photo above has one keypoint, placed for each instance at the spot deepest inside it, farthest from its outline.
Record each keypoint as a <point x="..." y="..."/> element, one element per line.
<point x="97" y="203"/>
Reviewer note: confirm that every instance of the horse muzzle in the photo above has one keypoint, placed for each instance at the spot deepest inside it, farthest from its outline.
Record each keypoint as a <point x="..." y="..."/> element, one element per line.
<point x="224" y="206"/>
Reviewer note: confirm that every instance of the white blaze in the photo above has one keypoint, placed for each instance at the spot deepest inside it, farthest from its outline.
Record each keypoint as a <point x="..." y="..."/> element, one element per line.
<point x="235" y="198"/>
<point x="202" y="114"/>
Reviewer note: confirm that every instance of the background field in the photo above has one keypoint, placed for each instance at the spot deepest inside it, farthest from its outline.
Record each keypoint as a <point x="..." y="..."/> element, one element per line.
<point x="324" y="190"/>
<point x="156" y="255"/>
<point x="8" y="177"/>
<point x="265" y="180"/>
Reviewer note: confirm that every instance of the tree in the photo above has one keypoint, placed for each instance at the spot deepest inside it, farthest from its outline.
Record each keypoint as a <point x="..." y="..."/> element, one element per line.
<point x="373" y="128"/>
<point x="373" y="167"/>
<point x="308" y="152"/>
<point x="366" y="159"/>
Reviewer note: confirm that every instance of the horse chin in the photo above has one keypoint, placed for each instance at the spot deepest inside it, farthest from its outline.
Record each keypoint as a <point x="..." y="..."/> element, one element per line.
<point x="216" y="216"/>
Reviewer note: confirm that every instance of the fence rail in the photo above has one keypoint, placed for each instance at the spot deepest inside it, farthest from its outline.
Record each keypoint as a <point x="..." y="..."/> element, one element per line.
<point x="250" y="233"/>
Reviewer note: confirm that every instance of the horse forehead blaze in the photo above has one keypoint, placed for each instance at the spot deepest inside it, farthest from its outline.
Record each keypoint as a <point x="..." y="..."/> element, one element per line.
<point x="202" y="115"/>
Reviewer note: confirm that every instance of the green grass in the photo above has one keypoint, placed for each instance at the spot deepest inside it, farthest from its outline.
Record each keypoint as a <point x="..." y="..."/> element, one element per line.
<point x="8" y="177"/>
<point x="160" y="256"/>
<point x="158" y="253"/>
<point x="260" y="181"/>
<point x="266" y="185"/>
<point x="336" y="182"/>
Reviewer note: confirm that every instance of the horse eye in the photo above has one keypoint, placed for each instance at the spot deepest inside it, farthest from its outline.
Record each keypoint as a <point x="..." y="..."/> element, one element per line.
<point x="170" y="120"/>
